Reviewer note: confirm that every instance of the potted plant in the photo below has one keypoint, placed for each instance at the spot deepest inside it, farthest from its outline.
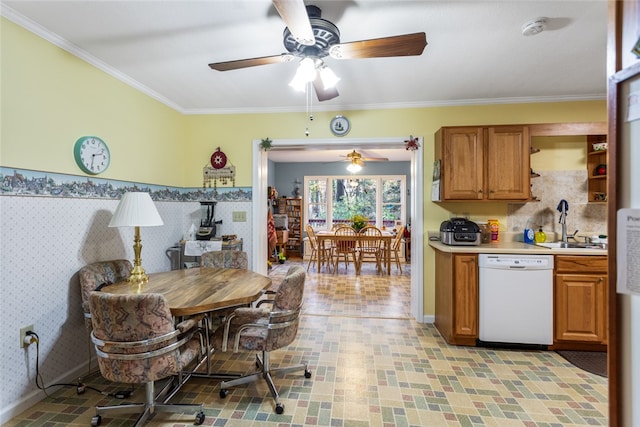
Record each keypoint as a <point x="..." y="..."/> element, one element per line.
<point x="358" y="222"/>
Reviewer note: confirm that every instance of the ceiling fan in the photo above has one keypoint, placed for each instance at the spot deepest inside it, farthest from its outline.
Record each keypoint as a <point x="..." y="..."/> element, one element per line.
<point x="311" y="38"/>
<point x="357" y="160"/>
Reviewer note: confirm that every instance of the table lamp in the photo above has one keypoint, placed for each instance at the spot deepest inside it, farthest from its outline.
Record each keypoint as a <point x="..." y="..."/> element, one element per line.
<point x="136" y="209"/>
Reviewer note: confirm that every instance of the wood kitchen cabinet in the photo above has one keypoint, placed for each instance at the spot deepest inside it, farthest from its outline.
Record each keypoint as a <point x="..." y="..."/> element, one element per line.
<point x="456" y="308"/>
<point x="581" y="301"/>
<point x="484" y="163"/>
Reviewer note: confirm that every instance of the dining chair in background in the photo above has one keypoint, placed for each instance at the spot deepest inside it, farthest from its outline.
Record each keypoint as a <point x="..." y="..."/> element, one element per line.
<point x="316" y="251"/>
<point x="370" y="248"/>
<point x="225" y="259"/>
<point x="265" y="330"/>
<point x="137" y="342"/>
<point x="395" y="248"/>
<point x="344" y="246"/>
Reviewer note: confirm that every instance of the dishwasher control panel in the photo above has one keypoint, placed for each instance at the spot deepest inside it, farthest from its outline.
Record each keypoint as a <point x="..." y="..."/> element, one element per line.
<point x="530" y="262"/>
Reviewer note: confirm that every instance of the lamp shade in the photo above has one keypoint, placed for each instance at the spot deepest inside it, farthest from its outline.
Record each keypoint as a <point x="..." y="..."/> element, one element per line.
<point x="136" y="209"/>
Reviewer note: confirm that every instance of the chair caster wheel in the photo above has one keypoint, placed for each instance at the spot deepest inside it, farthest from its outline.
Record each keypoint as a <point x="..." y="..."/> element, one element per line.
<point x="224" y="393"/>
<point x="95" y="421"/>
<point x="307" y="373"/>
<point x="199" y="418"/>
<point x="279" y="408"/>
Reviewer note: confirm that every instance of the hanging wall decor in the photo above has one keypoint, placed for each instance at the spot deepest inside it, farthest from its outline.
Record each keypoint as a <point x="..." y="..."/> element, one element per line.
<point x="220" y="170"/>
<point x="411" y="144"/>
<point x="265" y="144"/>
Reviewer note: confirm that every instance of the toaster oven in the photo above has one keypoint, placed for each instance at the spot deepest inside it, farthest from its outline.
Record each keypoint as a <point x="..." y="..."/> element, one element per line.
<point x="460" y="232"/>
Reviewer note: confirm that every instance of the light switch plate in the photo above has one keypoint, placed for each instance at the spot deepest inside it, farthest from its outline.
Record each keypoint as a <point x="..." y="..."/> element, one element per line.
<point x="239" y="216"/>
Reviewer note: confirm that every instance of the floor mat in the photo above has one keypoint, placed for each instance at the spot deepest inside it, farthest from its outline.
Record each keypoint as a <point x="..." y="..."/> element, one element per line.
<point x="594" y="362"/>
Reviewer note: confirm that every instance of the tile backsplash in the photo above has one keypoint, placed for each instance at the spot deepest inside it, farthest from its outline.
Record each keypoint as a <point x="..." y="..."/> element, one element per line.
<point x="550" y="188"/>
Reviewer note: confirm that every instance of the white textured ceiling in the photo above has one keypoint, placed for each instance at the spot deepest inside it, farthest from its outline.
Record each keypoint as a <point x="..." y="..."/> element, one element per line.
<point x="475" y="50"/>
<point x="475" y="53"/>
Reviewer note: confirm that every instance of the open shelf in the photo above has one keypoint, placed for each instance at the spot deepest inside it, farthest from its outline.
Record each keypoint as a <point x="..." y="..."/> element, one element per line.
<point x="597" y="183"/>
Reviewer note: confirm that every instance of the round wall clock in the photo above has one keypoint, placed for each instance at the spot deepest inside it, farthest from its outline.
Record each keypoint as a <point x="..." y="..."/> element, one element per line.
<point x="218" y="159"/>
<point x="92" y="154"/>
<point x="340" y="126"/>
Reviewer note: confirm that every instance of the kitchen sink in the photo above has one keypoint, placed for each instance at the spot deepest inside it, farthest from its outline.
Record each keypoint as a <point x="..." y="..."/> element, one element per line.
<point x="572" y="245"/>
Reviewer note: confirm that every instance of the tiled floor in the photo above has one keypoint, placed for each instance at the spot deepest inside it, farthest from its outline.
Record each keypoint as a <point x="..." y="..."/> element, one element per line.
<point x="372" y="366"/>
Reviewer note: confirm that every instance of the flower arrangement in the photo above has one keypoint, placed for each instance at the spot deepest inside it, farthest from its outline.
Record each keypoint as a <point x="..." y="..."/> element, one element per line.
<point x="265" y="144"/>
<point x="358" y="222"/>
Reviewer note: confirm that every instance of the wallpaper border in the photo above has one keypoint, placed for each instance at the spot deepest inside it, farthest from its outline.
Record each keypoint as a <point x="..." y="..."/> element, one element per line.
<point x="32" y="183"/>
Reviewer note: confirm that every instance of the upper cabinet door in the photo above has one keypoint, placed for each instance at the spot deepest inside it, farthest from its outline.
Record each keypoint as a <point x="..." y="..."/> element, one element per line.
<point x="508" y="165"/>
<point x="462" y="163"/>
<point x="484" y="163"/>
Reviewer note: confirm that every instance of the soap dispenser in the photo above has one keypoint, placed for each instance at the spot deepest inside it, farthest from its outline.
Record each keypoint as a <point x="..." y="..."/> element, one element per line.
<point x="540" y="236"/>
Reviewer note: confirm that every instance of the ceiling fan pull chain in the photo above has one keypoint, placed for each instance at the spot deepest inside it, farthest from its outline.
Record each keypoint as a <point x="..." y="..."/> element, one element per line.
<point x="309" y="105"/>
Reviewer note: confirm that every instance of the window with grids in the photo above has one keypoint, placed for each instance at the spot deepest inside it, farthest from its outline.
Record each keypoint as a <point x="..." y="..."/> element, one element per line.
<point x="333" y="200"/>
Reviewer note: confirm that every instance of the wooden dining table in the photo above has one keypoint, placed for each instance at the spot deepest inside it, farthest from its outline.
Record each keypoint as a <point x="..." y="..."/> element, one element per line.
<point x="200" y="290"/>
<point x="324" y="236"/>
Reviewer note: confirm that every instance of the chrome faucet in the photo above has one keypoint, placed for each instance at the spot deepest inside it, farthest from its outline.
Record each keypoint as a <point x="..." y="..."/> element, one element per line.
<point x="563" y="208"/>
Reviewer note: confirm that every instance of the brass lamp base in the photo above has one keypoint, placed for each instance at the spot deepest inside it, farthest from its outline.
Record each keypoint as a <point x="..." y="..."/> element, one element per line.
<point x="138" y="277"/>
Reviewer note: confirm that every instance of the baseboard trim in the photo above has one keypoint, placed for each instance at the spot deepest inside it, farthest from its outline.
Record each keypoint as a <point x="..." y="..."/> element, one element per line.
<point x="37" y="395"/>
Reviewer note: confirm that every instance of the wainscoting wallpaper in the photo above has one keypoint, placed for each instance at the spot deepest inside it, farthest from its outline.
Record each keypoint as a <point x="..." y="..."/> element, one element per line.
<point x="51" y="226"/>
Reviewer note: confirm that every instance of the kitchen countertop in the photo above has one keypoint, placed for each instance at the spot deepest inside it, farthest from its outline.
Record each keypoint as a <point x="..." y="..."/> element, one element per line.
<point x="506" y="247"/>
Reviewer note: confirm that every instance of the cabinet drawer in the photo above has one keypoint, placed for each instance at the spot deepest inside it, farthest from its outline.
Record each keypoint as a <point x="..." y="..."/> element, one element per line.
<point x="581" y="264"/>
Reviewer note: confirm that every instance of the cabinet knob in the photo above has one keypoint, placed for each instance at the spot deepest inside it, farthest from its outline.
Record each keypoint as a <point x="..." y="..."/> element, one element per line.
<point x="480" y="191"/>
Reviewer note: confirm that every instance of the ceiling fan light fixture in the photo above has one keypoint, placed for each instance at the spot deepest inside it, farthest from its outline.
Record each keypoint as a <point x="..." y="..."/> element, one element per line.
<point x="305" y="73"/>
<point x="354" y="167"/>
<point x="328" y="77"/>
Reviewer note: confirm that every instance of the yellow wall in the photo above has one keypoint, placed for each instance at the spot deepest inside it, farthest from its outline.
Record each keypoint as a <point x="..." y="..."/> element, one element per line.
<point x="50" y="98"/>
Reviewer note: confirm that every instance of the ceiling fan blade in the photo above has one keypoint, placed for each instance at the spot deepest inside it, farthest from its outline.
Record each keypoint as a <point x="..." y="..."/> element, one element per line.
<point x="322" y="93"/>
<point x="294" y="15"/>
<point x="375" y="159"/>
<point x="251" y="62"/>
<point x="355" y="155"/>
<point x="403" y="45"/>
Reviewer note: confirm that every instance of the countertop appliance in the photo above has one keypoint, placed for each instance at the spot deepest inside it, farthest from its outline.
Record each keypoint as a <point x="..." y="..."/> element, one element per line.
<point x="516" y="300"/>
<point x="460" y="232"/>
<point x="207" y="229"/>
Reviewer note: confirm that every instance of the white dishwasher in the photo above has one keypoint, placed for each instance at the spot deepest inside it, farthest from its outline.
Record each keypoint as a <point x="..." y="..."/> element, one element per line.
<point x="516" y="300"/>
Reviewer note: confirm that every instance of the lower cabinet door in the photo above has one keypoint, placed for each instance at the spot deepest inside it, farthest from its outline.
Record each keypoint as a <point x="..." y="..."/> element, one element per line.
<point x="581" y="308"/>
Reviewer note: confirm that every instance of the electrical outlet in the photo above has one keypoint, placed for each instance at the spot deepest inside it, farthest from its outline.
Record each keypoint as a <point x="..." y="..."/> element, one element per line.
<point x="23" y="334"/>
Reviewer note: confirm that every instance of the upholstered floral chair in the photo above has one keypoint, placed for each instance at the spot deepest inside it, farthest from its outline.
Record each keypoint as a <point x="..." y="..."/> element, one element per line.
<point x="225" y="259"/>
<point x="265" y="330"/>
<point x="97" y="275"/>
<point x="137" y="342"/>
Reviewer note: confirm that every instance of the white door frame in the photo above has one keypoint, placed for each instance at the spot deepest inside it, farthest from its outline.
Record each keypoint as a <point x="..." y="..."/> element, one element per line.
<point x="259" y="204"/>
